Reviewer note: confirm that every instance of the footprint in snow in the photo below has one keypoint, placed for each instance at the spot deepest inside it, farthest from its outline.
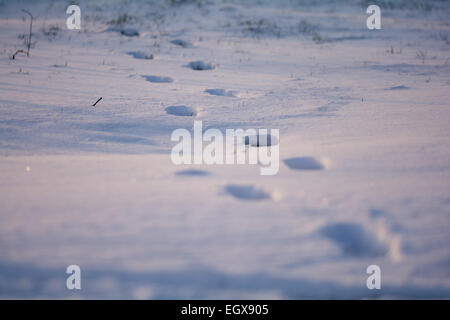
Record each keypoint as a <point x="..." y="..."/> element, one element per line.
<point x="220" y="92"/>
<point x="158" y="79"/>
<point x="192" y="172"/>
<point x="247" y="192"/>
<point x="141" y="55"/>
<point x="181" y="111"/>
<point x="307" y="163"/>
<point x="402" y="87"/>
<point x="129" y="32"/>
<point x="201" y="65"/>
<point x="183" y="43"/>
<point x="355" y="240"/>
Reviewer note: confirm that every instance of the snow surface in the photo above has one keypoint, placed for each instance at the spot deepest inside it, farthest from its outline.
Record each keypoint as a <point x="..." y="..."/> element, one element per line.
<point x="95" y="186"/>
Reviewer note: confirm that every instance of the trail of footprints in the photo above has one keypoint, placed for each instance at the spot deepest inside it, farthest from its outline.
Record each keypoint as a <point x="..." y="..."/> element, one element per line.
<point x="240" y="192"/>
<point x="353" y="239"/>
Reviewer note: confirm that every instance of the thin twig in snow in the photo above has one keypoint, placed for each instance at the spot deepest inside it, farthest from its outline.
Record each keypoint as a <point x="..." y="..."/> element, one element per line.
<point x="97" y="101"/>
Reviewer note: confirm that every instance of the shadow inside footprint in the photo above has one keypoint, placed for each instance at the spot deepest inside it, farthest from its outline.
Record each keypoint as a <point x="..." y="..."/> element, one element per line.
<point x="158" y="79"/>
<point x="201" y="65"/>
<point x="306" y="163"/>
<point x="182" y="43"/>
<point x="402" y="87"/>
<point x="192" y="172"/>
<point x="247" y="192"/>
<point x="220" y="92"/>
<point x="354" y="240"/>
<point x="141" y="55"/>
<point x="181" y="111"/>
<point x="129" y="32"/>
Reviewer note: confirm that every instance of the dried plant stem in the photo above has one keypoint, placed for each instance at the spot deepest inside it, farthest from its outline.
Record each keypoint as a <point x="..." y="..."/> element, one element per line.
<point x="31" y="30"/>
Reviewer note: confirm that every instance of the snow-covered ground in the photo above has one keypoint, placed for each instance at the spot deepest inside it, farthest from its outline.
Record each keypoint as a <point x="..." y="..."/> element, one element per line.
<point x="364" y="119"/>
